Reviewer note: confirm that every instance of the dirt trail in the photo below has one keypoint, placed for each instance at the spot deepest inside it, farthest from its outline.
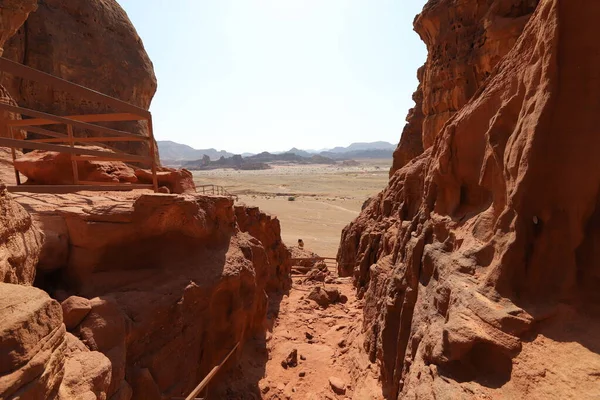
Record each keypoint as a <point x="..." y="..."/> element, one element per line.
<point x="328" y="344"/>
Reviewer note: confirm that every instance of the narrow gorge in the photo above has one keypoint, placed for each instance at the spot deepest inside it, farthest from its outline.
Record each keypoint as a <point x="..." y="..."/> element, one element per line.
<point x="473" y="275"/>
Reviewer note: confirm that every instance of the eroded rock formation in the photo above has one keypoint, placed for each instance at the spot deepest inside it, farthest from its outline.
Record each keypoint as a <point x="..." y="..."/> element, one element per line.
<point x="53" y="168"/>
<point x="91" y="43"/>
<point x="165" y="285"/>
<point x="479" y="255"/>
<point x="20" y="242"/>
<point x="465" y="40"/>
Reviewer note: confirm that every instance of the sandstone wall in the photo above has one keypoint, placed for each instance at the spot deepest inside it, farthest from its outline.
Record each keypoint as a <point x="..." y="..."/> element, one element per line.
<point x="482" y="242"/>
<point x="465" y="40"/>
<point x="172" y="282"/>
<point x="91" y="43"/>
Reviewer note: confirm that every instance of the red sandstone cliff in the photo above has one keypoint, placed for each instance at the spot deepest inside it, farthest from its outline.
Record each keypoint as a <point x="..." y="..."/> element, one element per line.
<point x="465" y="40"/>
<point x="91" y="43"/>
<point x="478" y="260"/>
<point x="155" y="290"/>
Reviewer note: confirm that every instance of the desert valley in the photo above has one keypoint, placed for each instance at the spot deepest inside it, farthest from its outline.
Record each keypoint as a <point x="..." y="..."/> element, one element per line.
<point x="461" y="263"/>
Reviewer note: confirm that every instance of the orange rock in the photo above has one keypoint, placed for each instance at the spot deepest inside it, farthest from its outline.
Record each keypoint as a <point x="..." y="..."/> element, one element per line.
<point x="474" y="242"/>
<point x="53" y="168"/>
<point x="464" y="45"/>
<point x="57" y="39"/>
<point x="20" y="242"/>
<point x="178" y="181"/>
<point x="75" y="309"/>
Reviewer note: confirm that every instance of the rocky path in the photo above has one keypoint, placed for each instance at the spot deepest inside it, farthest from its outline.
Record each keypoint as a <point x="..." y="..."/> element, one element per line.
<point x="310" y="352"/>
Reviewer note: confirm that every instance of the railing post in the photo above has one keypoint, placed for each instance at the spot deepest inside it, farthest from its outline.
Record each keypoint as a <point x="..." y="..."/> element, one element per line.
<point x="73" y="161"/>
<point x="152" y="154"/>
<point x="13" y="152"/>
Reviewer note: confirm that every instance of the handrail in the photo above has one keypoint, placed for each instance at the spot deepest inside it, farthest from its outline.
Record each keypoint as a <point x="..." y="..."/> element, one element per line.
<point x="204" y="383"/>
<point x="113" y="117"/>
<point x="215" y="190"/>
<point x="64" y="120"/>
<point x="62" y="143"/>
<point x="30" y="144"/>
<point x="29" y="73"/>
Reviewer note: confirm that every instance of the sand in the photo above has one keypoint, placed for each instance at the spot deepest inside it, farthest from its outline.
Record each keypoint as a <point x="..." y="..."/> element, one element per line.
<point x="326" y="198"/>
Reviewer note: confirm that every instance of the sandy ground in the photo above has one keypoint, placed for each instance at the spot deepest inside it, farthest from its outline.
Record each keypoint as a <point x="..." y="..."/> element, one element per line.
<point x="328" y="342"/>
<point x="326" y="198"/>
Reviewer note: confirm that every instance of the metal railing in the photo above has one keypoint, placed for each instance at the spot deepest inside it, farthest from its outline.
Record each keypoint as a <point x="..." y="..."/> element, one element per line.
<point x="65" y="143"/>
<point x="215" y="190"/>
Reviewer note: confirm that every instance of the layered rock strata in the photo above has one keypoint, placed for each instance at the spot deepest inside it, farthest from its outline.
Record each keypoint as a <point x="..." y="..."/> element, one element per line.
<point x="90" y="43"/>
<point x="465" y="40"/>
<point x="167" y="284"/>
<point x="479" y="255"/>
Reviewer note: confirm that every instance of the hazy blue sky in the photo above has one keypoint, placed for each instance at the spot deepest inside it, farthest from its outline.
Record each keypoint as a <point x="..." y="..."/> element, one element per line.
<point x="252" y="75"/>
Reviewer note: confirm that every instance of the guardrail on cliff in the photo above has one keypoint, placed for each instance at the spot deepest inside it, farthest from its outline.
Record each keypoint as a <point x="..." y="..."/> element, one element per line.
<point x="203" y="385"/>
<point x="215" y="190"/>
<point x="37" y="119"/>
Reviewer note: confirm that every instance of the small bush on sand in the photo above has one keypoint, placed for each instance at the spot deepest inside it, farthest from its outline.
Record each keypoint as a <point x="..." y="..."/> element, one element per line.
<point x="291" y="198"/>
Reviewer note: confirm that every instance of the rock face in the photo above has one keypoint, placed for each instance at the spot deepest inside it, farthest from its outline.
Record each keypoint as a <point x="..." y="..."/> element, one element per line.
<point x="173" y="283"/>
<point x="40" y="360"/>
<point x="20" y="242"/>
<point x="91" y="43"/>
<point x="53" y="168"/>
<point x="480" y="243"/>
<point x="12" y="16"/>
<point x="268" y="230"/>
<point x="465" y="40"/>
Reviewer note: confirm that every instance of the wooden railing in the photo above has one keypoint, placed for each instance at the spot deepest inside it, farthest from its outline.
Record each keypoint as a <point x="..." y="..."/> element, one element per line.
<point x="65" y="143"/>
<point x="203" y="385"/>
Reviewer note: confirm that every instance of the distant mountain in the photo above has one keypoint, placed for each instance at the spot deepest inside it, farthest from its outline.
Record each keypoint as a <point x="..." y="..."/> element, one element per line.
<point x="302" y="153"/>
<point x="258" y="161"/>
<point x="362" y="146"/>
<point x="176" y="154"/>
<point x="172" y="151"/>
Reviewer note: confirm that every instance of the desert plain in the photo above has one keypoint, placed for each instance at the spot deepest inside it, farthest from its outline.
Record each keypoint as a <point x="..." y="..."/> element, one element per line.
<point x="313" y="202"/>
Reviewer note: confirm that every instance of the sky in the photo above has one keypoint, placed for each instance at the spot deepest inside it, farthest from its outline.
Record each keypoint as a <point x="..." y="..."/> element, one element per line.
<point x="269" y="75"/>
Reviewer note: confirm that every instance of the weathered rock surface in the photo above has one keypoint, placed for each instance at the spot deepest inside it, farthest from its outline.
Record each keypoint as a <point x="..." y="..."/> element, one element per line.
<point x="91" y="43"/>
<point x="53" y="168"/>
<point x="40" y="360"/>
<point x="12" y="16"/>
<point x="178" y="181"/>
<point x="267" y="229"/>
<point x="174" y="282"/>
<point x="324" y="296"/>
<point x="20" y="242"/>
<point x="75" y="309"/>
<point x="477" y="244"/>
<point x="465" y="40"/>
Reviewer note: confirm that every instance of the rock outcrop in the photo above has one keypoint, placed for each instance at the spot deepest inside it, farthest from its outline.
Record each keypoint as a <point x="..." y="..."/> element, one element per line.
<point x="20" y="242"/>
<point x="91" y="43"/>
<point x="465" y="40"/>
<point x="40" y="359"/>
<point x="480" y="254"/>
<point x="53" y="168"/>
<point x="167" y="284"/>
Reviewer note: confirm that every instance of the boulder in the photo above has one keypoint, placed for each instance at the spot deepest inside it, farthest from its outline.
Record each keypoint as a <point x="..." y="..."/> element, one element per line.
<point x="324" y="296"/>
<point x="104" y="330"/>
<point x="75" y="309"/>
<point x="53" y="168"/>
<point x="40" y="359"/>
<point x="178" y="181"/>
<point x="337" y="385"/>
